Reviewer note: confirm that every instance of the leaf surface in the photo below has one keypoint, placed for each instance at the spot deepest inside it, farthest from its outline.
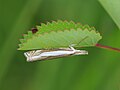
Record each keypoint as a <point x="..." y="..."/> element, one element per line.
<point x="60" y="35"/>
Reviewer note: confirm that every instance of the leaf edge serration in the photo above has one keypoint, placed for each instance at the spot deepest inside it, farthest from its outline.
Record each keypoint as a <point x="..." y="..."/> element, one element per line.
<point x="30" y="35"/>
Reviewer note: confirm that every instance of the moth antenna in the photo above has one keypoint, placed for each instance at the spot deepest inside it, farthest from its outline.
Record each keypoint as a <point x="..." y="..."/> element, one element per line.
<point x="82" y="40"/>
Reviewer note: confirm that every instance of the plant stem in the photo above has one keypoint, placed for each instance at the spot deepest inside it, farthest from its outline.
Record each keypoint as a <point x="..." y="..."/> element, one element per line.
<point x="107" y="47"/>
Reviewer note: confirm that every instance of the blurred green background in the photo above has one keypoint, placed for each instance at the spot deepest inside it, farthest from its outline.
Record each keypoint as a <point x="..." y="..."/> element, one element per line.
<point x="97" y="71"/>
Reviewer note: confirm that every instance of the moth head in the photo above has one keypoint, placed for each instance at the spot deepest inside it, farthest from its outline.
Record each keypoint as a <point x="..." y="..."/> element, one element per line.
<point x="31" y="54"/>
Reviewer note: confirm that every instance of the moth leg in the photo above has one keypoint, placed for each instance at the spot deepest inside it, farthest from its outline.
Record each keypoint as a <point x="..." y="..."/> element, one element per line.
<point x="71" y="47"/>
<point x="38" y="52"/>
<point x="27" y="56"/>
<point x="33" y="52"/>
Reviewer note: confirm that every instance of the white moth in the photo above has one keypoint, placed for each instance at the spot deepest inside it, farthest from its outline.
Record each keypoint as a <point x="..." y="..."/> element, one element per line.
<point x="36" y="55"/>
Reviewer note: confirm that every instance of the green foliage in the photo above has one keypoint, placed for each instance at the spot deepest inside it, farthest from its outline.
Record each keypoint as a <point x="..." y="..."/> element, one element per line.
<point x="9" y="45"/>
<point x="113" y="9"/>
<point x="100" y="70"/>
<point x="60" y="34"/>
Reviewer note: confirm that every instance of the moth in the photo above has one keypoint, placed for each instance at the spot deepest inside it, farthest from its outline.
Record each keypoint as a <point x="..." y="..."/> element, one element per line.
<point x="36" y="55"/>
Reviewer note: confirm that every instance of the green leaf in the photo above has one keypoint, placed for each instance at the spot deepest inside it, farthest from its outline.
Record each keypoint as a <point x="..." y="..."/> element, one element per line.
<point x="60" y="35"/>
<point x="113" y="9"/>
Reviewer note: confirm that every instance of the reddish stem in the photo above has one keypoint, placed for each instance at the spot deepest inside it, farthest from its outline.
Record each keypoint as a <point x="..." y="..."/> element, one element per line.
<point x="107" y="47"/>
